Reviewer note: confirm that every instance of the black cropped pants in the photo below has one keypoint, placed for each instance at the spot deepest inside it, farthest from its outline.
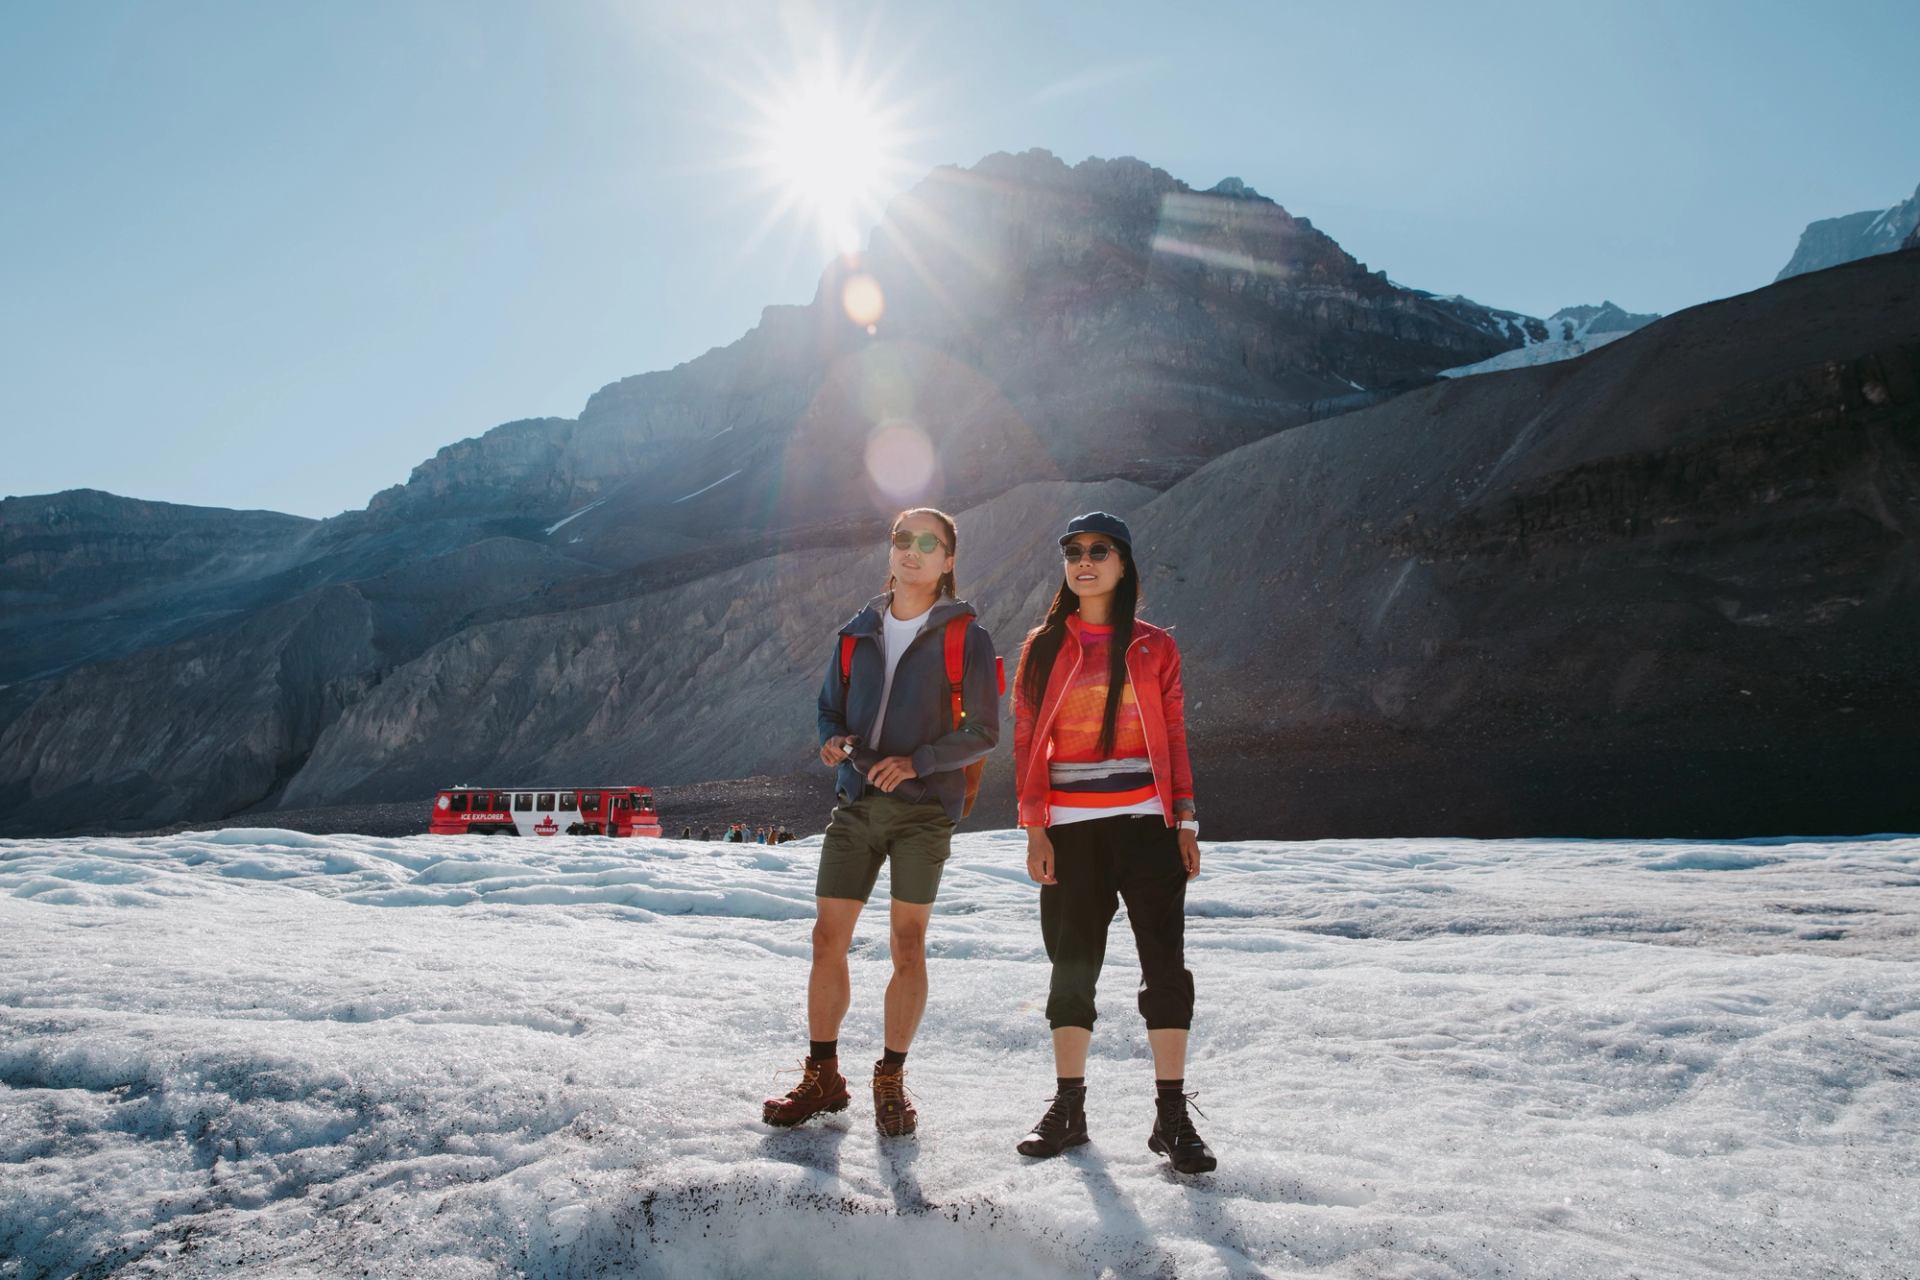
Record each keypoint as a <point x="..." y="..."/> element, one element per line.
<point x="1097" y="865"/>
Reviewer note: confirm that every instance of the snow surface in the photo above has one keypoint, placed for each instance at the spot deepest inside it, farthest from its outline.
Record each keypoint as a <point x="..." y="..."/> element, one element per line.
<point x="567" y="520"/>
<point x="299" y="1055"/>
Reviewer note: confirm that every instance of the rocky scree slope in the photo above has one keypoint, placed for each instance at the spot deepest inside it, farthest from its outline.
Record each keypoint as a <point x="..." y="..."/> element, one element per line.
<point x="220" y="721"/>
<point x="86" y="575"/>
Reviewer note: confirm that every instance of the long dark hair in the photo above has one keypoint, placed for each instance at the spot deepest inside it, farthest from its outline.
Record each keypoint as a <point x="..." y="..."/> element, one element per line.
<point x="947" y="587"/>
<point x="1042" y="647"/>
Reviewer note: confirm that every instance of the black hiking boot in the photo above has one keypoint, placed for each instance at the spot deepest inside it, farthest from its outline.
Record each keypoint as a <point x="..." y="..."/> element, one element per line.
<point x="1064" y="1125"/>
<point x="1174" y="1137"/>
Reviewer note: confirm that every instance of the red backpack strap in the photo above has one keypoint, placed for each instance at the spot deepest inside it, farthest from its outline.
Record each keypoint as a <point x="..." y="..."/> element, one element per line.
<point x="846" y="658"/>
<point x="956" y="647"/>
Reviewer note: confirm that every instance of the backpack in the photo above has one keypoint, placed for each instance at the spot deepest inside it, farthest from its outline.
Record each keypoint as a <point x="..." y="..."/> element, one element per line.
<point x="954" y="642"/>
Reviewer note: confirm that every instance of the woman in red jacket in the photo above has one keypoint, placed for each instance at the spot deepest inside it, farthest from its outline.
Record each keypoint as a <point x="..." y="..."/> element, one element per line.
<point x="1106" y="797"/>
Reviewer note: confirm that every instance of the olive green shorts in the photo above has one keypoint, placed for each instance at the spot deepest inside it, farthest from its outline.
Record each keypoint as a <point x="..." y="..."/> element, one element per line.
<point x="876" y="828"/>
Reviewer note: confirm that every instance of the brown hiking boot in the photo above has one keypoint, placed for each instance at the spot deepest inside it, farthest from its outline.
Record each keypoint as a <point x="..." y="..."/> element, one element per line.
<point x="821" y="1088"/>
<point x="893" y="1115"/>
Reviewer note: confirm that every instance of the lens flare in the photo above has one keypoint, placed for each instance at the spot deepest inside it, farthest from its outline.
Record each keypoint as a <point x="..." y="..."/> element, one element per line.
<point x="862" y="300"/>
<point x="1227" y="234"/>
<point x="900" y="461"/>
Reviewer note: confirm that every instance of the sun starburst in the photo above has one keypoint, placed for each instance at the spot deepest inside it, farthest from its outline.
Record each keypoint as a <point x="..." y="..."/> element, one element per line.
<point x="827" y="145"/>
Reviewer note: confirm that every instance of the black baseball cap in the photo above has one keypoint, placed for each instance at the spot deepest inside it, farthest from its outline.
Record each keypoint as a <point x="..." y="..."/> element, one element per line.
<point x="1099" y="522"/>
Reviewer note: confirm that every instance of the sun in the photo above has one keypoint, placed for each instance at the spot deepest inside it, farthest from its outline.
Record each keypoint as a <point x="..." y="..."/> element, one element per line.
<point x="829" y="148"/>
<point x="829" y="152"/>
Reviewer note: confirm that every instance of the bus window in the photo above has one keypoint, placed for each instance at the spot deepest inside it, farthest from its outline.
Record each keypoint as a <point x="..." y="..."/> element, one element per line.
<point x="546" y="802"/>
<point x="459" y="802"/>
<point x="589" y="802"/>
<point x="646" y="804"/>
<point x="523" y="801"/>
<point x="566" y="802"/>
<point x="619" y="802"/>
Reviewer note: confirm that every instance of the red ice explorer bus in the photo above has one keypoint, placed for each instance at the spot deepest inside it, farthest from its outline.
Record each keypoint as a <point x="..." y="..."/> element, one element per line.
<point x="544" y="811"/>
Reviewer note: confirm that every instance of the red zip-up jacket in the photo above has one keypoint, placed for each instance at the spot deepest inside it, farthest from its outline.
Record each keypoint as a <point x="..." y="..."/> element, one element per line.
<point x="1153" y="666"/>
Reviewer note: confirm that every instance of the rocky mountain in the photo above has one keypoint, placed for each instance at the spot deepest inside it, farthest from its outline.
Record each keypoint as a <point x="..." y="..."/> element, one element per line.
<point x="1832" y="241"/>
<point x="1027" y="319"/>
<point x="228" y="715"/>
<point x="1572" y="331"/>
<point x="1016" y="320"/>
<point x="86" y="575"/>
<point x="1570" y="323"/>
<point x="1019" y="319"/>
<point x="1669" y="587"/>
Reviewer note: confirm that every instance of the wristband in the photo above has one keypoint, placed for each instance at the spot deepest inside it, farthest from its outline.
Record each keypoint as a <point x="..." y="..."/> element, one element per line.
<point x="1189" y="824"/>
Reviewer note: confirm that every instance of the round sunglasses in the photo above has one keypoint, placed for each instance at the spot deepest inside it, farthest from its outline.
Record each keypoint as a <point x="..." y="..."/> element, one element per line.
<point x="925" y="543"/>
<point x="1072" y="551"/>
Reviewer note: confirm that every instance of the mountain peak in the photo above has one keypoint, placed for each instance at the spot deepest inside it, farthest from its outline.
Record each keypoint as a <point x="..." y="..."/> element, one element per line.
<point x="1571" y="323"/>
<point x="1850" y="237"/>
<point x="1234" y="189"/>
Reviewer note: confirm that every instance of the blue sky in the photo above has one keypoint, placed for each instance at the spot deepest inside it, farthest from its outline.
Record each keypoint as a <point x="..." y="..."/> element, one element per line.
<point x="275" y="255"/>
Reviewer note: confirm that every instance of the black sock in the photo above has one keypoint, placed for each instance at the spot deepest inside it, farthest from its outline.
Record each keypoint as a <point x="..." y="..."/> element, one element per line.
<point x="821" y="1050"/>
<point x="894" y="1057"/>
<point x="1064" y="1083"/>
<point x="1169" y="1090"/>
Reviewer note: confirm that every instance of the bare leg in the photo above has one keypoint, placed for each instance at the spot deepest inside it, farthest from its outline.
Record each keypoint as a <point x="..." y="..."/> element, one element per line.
<point x="1070" y="1051"/>
<point x="1169" y="1046"/>
<point x="907" y="992"/>
<point x="829" y="990"/>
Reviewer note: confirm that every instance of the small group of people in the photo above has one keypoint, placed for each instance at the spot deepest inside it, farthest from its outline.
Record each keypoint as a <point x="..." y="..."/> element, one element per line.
<point x="737" y="833"/>
<point x="1105" y="790"/>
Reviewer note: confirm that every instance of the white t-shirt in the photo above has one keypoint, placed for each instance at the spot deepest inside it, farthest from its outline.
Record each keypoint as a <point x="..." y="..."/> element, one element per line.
<point x="896" y="634"/>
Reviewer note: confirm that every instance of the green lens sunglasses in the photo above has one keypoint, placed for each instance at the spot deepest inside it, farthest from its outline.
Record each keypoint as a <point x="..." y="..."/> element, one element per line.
<point x="924" y="542"/>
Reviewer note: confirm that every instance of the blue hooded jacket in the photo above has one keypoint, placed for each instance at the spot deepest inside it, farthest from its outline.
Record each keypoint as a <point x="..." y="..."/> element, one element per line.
<point x="919" y="708"/>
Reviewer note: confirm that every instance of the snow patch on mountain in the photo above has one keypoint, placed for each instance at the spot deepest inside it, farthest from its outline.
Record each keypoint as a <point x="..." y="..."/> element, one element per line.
<point x="1537" y="354"/>
<point x="561" y="524"/>
<point x="1572" y="331"/>
<point x="704" y="488"/>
